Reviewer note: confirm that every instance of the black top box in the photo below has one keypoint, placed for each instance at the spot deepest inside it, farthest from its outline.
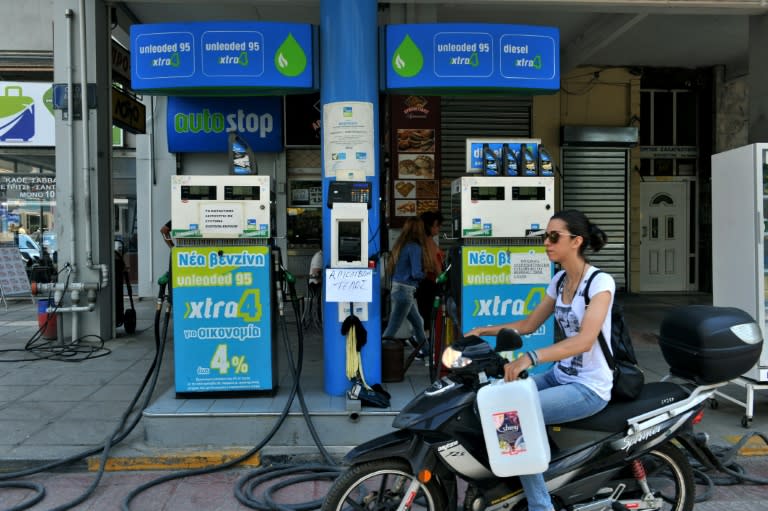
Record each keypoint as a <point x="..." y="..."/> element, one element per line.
<point x="709" y="344"/>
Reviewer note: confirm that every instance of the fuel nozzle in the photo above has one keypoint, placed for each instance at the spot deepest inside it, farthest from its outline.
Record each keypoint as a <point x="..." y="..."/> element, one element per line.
<point x="443" y="277"/>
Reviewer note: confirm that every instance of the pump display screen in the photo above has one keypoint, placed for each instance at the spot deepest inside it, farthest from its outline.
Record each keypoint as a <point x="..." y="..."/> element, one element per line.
<point x="198" y="192"/>
<point x="349" y="192"/>
<point x="242" y="192"/>
<point x="349" y="241"/>
<point x="528" y="192"/>
<point x="486" y="193"/>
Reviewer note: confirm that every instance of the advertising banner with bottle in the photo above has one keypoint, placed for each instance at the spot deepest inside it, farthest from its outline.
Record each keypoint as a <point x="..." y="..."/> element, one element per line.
<point x="222" y="319"/>
<point x="501" y="284"/>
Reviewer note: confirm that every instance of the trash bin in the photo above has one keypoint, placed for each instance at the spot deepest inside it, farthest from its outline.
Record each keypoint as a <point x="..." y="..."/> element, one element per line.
<point x="47" y="322"/>
<point x="392" y="355"/>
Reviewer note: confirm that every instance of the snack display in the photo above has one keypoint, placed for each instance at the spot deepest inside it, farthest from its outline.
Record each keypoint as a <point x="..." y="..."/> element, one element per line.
<point x="405" y="207"/>
<point x="405" y="188"/>
<point x="426" y="205"/>
<point x="427" y="189"/>
<point x="416" y="167"/>
<point x="416" y="140"/>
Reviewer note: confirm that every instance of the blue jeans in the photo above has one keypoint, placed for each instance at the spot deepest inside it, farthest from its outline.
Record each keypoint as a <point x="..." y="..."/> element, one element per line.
<point x="559" y="404"/>
<point x="404" y="306"/>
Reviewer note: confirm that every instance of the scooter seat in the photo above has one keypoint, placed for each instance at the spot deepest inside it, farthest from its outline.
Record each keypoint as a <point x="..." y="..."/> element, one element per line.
<point x="613" y="418"/>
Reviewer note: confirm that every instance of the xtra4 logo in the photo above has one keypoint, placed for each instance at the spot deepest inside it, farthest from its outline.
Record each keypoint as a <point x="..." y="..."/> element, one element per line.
<point x="247" y="308"/>
<point x="501" y="307"/>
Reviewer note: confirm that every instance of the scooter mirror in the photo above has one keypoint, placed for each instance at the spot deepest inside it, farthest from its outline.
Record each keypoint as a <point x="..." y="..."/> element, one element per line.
<point x="508" y="339"/>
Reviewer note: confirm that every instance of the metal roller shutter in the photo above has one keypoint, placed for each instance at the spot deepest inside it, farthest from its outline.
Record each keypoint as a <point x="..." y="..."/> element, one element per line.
<point x="472" y="117"/>
<point x="595" y="182"/>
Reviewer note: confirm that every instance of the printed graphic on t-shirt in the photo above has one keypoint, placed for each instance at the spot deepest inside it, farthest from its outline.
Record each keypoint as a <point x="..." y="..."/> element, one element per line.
<point x="567" y="319"/>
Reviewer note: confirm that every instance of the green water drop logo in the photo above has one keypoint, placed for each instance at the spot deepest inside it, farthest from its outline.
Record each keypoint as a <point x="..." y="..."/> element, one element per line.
<point x="407" y="60"/>
<point x="175" y="59"/>
<point x="537" y="62"/>
<point x="290" y="59"/>
<point x="474" y="60"/>
<point x="243" y="59"/>
<point x="48" y="100"/>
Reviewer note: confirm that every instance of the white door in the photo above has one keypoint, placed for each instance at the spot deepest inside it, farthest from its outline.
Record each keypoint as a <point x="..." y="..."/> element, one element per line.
<point x="664" y="236"/>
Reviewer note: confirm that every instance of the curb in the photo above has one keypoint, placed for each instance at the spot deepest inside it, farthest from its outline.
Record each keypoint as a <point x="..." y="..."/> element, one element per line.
<point x="174" y="461"/>
<point x="755" y="446"/>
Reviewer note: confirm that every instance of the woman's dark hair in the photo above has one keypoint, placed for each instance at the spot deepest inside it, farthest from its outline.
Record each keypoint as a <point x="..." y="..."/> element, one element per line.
<point x="578" y="224"/>
<point x="429" y="218"/>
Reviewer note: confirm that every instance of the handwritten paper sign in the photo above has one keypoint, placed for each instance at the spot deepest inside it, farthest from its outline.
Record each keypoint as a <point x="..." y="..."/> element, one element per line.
<point x="348" y="285"/>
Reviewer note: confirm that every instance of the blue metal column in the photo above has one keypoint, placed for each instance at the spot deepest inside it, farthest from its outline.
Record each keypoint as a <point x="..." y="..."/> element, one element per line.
<point x="349" y="72"/>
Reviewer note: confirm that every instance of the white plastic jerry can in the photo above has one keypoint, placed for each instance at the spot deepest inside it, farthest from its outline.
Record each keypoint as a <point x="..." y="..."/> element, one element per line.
<point x="513" y="428"/>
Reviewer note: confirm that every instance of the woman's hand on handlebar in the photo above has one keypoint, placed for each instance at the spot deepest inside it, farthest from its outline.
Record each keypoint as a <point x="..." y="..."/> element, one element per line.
<point x="513" y="369"/>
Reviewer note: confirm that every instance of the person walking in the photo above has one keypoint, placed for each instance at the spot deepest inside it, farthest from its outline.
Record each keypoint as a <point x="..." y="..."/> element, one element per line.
<point x="407" y="265"/>
<point x="427" y="290"/>
<point x="580" y="381"/>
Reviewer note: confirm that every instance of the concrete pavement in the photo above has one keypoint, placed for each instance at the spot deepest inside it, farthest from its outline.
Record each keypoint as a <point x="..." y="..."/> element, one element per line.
<point x="50" y="409"/>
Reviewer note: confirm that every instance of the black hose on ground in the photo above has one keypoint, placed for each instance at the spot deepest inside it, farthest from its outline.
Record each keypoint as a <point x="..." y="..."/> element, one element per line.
<point x="724" y="463"/>
<point x="296" y="367"/>
<point x="122" y="430"/>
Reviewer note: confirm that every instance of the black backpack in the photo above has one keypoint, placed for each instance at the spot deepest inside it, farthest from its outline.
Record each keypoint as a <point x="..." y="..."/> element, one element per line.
<point x="628" y="384"/>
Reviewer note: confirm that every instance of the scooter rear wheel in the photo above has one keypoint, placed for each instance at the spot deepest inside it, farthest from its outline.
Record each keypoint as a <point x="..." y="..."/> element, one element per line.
<point x="382" y="485"/>
<point x="670" y="478"/>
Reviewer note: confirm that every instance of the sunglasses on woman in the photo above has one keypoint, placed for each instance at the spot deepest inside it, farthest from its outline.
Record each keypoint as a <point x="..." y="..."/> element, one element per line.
<point x="554" y="236"/>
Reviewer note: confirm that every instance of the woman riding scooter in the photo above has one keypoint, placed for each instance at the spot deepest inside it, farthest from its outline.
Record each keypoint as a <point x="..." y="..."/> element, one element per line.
<point x="579" y="383"/>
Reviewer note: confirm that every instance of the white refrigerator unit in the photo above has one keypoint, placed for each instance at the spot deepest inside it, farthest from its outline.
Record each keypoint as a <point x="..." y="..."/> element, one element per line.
<point x="739" y="257"/>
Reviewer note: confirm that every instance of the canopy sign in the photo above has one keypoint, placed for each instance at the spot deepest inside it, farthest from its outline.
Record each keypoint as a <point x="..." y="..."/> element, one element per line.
<point x="223" y="58"/>
<point x="472" y="57"/>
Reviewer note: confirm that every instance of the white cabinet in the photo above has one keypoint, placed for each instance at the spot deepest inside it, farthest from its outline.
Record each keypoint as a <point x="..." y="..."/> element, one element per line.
<point x="739" y="229"/>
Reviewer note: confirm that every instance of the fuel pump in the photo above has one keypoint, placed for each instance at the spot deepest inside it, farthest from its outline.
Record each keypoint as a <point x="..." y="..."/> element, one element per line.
<point x="504" y="269"/>
<point x="349" y="284"/>
<point x="222" y="285"/>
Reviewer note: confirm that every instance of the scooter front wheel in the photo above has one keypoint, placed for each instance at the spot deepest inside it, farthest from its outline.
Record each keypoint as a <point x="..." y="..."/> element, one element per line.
<point x="382" y="485"/>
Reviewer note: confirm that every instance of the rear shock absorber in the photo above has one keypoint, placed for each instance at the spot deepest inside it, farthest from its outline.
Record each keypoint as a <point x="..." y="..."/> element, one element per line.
<point x="638" y="471"/>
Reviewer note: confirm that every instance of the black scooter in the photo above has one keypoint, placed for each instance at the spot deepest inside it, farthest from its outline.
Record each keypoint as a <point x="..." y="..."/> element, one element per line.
<point x="621" y="458"/>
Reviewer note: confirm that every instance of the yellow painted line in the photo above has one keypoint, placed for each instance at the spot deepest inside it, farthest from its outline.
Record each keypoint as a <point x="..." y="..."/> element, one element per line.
<point x="173" y="461"/>
<point x="755" y="446"/>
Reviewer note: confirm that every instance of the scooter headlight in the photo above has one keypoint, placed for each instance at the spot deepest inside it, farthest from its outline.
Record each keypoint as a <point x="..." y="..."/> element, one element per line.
<point x="454" y="359"/>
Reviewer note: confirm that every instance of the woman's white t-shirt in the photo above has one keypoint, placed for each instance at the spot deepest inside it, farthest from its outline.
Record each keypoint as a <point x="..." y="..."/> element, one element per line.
<point x="589" y="368"/>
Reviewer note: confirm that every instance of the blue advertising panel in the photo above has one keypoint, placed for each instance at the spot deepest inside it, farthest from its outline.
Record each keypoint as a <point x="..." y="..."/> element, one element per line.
<point x="222" y="319"/>
<point x="501" y="284"/>
<point x="472" y="57"/>
<point x="201" y="125"/>
<point x="230" y="57"/>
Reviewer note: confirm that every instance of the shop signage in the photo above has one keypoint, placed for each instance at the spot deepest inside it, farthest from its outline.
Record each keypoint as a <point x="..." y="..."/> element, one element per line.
<point x="474" y="57"/>
<point x="26" y="114"/>
<point x="121" y="64"/>
<point x="415" y="172"/>
<point x="128" y="113"/>
<point x="201" y="125"/>
<point x="663" y="151"/>
<point x="231" y="58"/>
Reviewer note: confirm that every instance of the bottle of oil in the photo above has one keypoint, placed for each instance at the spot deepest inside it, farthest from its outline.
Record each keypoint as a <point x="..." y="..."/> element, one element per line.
<point x="527" y="161"/>
<point x="509" y="161"/>
<point x="545" y="163"/>
<point x="490" y="161"/>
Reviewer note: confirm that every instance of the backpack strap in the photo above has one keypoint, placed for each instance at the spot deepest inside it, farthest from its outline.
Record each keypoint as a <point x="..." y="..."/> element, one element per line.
<point x="559" y="286"/>
<point x="604" y="345"/>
